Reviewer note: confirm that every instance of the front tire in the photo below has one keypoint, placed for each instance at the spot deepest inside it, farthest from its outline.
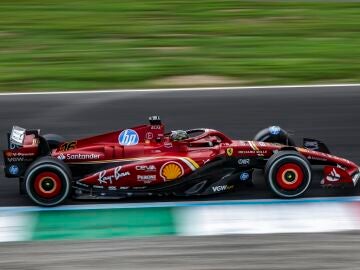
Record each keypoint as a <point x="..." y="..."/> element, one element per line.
<point x="48" y="181"/>
<point x="288" y="174"/>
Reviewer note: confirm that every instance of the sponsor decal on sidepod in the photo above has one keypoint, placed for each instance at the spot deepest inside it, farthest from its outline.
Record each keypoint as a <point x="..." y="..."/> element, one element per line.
<point x="103" y="179"/>
<point x="147" y="168"/>
<point x="128" y="137"/>
<point x="146" y="178"/>
<point x="171" y="170"/>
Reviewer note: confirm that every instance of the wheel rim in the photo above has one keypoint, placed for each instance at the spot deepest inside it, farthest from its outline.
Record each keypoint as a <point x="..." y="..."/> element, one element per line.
<point x="290" y="176"/>
<point x="47" y="185"/>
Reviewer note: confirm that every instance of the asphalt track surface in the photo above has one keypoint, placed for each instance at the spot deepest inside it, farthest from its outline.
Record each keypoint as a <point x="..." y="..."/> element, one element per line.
<point x="283" y="251"/>
<point x="327" y="113"/>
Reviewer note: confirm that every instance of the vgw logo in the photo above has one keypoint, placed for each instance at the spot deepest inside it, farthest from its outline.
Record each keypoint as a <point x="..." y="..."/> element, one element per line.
<point x="128" y="137"/>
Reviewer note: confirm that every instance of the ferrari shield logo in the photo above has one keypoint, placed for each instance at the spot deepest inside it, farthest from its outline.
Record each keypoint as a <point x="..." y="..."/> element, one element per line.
<point x="229" y="151"/>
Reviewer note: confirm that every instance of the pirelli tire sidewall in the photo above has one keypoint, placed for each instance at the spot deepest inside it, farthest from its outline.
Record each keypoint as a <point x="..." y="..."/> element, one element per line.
<point x="277" y="166"/>
<point x="59" y="178"/>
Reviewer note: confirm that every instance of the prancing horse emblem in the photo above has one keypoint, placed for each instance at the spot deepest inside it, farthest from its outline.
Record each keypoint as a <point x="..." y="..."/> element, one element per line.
<point x="229" y="151"/>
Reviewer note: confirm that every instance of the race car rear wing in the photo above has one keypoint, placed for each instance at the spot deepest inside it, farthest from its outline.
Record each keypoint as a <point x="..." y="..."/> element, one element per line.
<point x="24" y="146"/>
<point x="17" y="136"/>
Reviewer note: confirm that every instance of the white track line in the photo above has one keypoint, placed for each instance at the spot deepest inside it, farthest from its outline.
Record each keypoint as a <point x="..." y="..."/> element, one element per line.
<point x="179" y="89"/>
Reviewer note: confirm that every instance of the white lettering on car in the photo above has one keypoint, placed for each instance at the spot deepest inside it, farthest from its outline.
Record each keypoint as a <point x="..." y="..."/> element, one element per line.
<point x="222" y="188"/>
<point x="146" y="178"/>
<point x="78" y="156"/>
<point x="244" y="161"/>
<point x="149" y="168"/>
<point x="103" y="179"/>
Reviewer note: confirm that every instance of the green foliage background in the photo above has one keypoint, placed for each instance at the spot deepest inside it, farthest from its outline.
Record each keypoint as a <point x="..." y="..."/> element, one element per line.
<point x="92" y="44"/>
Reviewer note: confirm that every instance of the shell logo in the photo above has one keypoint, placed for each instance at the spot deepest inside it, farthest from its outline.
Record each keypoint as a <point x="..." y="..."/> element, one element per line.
<point x="171" y="171"/>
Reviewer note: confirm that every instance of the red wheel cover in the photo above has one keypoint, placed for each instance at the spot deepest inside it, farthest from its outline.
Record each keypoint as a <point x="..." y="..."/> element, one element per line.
<point x="295" y="170"/>
<point x="54" y="178"/>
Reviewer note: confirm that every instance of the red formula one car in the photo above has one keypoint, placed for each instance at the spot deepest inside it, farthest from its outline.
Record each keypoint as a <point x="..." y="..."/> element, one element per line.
<point x="145" y="160"/>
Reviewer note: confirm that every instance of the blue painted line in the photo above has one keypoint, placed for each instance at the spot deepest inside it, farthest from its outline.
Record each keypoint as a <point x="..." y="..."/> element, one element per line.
<point x="182" y="204"/>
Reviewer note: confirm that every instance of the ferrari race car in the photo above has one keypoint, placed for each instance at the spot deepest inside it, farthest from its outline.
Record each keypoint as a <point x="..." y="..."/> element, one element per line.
<point x="147" y="161"/>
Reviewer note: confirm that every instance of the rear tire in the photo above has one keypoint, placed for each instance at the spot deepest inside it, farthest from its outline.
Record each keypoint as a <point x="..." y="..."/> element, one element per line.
<point x="48" y="181"/>
<point x="288" y="174"/>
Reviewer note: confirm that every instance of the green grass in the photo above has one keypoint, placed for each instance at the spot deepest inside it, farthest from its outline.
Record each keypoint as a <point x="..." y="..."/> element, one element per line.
<point x="78" y="44"/>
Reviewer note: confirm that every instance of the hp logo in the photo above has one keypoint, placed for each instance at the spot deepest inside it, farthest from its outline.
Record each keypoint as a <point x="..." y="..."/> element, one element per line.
<point x="128" y="137"/>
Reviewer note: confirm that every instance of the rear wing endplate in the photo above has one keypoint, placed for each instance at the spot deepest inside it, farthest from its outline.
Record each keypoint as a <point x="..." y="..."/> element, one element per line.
<point x="17" y="136"/>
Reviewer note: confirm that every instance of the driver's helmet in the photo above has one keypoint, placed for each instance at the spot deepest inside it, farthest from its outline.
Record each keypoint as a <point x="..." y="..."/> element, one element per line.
<point x="178" y="135"/>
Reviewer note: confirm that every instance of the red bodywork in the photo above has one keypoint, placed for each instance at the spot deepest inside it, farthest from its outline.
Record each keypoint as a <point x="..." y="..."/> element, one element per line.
<point x="145" y="156"/>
